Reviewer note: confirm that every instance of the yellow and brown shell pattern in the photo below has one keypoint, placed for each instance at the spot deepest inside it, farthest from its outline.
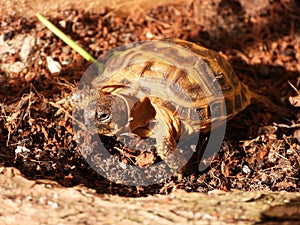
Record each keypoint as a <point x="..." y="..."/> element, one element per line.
<point x="167" y="90"/>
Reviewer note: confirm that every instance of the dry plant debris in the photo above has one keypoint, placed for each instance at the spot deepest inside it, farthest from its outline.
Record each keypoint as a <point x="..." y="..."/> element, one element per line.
<point x="262" y="43"/>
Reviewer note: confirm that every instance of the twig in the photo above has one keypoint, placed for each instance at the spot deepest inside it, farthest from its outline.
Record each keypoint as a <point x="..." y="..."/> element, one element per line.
<point x="297" y="125"/>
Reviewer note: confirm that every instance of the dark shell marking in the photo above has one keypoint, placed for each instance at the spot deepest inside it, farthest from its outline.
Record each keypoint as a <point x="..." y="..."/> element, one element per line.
<point x="199" y="83"/>
<point x="168" y="91"/>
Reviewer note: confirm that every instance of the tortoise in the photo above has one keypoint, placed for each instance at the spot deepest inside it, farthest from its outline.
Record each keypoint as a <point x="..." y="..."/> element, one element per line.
<point x="166" y="90"/>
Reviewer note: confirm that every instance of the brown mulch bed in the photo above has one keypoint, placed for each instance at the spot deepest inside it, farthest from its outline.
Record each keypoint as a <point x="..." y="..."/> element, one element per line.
<point x="261" y="149"/>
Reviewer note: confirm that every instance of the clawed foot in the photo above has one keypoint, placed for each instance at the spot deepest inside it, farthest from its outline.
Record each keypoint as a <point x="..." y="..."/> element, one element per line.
<point x="172" y="156"/>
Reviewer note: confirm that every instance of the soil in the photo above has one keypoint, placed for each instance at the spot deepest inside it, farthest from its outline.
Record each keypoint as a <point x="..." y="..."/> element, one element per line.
<point x="28" y="8"/>
<point x="260" y="38"/>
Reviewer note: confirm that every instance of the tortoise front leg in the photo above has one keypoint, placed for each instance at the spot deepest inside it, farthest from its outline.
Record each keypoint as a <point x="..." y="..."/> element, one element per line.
<point x="167" y="131"/>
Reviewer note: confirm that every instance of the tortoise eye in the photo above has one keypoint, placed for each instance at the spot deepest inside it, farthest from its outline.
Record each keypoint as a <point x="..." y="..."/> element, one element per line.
<point x="102" y="117"/>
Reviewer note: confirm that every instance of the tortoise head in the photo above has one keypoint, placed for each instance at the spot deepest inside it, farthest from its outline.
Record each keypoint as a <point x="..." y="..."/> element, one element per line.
<point x="103" y="114"/>
<point x="110" y="114"/>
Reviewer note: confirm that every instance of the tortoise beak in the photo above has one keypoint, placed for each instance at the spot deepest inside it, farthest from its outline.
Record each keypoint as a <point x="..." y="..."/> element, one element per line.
<point x="105" y="128"/>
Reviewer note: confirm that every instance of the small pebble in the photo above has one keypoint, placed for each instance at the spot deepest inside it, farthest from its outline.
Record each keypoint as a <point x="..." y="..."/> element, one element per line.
<point x="295" y="100"/>
<point x="53" y="66"/>
<point x="246" y="169"/>
<point x="149" y="35"/>
<point x="21" y="149"/>
<point x="63" y="23"/>
<point x="27" y="47"/>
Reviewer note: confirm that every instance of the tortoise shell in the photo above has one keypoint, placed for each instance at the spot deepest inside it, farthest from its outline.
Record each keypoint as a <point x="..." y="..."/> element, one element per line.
<point x="166" y="90"/>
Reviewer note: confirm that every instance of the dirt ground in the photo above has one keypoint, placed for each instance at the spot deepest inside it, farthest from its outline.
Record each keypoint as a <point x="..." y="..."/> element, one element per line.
<point x="260" y="38"/>
<point x="28" y="8"/>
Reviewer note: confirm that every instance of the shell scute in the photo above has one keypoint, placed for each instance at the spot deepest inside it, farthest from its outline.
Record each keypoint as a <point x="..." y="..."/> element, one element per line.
<point x="188" y="86"/>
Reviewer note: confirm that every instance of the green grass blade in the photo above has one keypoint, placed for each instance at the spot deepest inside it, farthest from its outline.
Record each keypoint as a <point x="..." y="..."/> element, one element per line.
<point x="67" y="39"/>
